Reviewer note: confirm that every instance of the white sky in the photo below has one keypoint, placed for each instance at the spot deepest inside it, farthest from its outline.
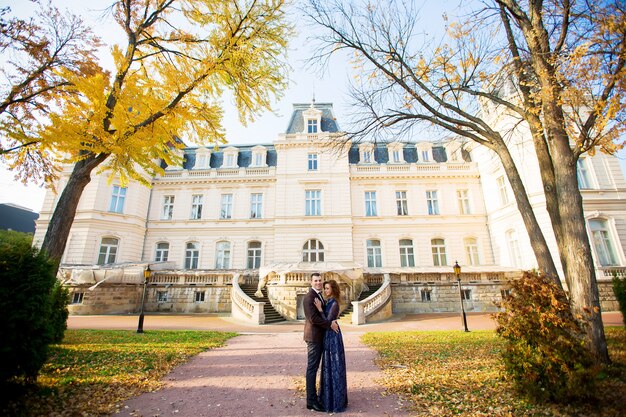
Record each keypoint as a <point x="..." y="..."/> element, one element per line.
<point x="330" y="85"/>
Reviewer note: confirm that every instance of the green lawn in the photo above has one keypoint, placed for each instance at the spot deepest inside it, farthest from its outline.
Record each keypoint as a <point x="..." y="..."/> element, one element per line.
<point x="444" y="373"/>
<point x="439" y="373"/>
<point x="93" y="370"/>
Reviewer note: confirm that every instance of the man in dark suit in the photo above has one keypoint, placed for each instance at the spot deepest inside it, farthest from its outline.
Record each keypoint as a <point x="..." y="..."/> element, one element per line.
<point x="315" y="325"/>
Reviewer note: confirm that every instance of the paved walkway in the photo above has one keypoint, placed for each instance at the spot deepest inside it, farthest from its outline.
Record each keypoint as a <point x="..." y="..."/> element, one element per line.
<point x="261" y="372"/>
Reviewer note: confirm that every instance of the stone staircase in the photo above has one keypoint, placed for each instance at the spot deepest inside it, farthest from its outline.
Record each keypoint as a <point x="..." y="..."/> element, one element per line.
<point x="271" y="315"/>
<point x="348" y="310"/>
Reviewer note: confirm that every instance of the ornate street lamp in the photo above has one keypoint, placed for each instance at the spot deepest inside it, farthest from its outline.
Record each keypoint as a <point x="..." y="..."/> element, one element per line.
<point x="457" y="273"/>
<point x="146" y="274"/>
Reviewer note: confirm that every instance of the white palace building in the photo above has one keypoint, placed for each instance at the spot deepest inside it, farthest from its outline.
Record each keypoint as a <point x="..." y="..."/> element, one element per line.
<point x="239" y="230"/>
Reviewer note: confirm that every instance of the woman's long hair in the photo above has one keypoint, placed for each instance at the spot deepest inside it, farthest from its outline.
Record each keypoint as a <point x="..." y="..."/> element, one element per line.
<point x="335" y="292"/>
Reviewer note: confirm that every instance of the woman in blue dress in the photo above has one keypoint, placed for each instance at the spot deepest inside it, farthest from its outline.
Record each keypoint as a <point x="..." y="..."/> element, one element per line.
<point x="333" y="387"/>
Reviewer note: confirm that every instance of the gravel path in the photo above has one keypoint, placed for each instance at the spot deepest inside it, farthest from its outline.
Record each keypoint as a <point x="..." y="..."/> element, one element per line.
<point x="261" y="375"/>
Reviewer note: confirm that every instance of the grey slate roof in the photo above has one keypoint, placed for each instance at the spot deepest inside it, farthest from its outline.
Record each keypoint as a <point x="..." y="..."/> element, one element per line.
<point x="296" y="123"/>
<point x="381" y="155"/>
<point x="244" y="157"/>
<point x="17" y="218"/>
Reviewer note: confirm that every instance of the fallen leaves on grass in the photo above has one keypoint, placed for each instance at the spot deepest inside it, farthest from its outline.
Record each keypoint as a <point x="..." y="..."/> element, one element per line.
<point x="93" y="371"/>
<point x="460" y="374"/>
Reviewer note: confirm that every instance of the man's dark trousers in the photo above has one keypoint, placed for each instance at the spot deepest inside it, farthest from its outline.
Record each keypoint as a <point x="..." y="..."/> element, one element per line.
<point x="314" y="353"/>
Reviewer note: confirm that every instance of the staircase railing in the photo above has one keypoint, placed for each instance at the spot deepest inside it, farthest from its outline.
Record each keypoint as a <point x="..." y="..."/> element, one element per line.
<point x="244" y="307"/>
<point x="372" y="304"/>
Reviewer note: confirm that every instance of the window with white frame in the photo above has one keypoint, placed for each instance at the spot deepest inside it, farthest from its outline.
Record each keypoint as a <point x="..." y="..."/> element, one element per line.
<point x="602" y="242"/>
<point x="366" y="152"/>
<point x="502" y="189"/>
<point x="425" y="293"/>
<point x="312" y="162"/>
<point x="471" y="251"/>
<point x="313" y="202"/>
<point x="108" y="250"/>
<point x="117" y="199"/>
<point x="367" y="156"/>
<point x="229" y="161"/>
<point x="432" y="202"/>
<point x="512" y="242"/>
<point x="464" y="201"/>
<point x="203" y="158"/>
<point x="226" y="206"/>
<point x="77" y="297"/>
<point x="167" y="211"/>
<point x="425" y="156"/>
<point x="222" y="255"/>
<point x="396" y="156"/>
<point x="439" y="252"/>
<point x="374" y="254"/>
<point x="192" y="254"/>
<point x="256" y="205"/>
<point x="582" y="174"/>
<point x="311" y="126"/>
<point x="254" y="255"/>
<point x="402" y="207"/>
<point x="258" y="159"/>
<point x="259" y="155"/>
<point x="370" y="203"/>
<point x="313" y="251"/>
<point x="162" y="252"/>
<point x="406" y="253"/>
<point x="196" y="207"/>
<point x="198" y="296"/>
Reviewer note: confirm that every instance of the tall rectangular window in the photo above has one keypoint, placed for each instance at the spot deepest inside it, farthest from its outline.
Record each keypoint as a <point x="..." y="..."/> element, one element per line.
<point x="464" y="202"/>
<point x="370" y="203"/>
<point x="222" y="255"/>
<point x="313" y="202"/>
<point x="256" y="206"/>
<point x="311" y="126"/>
<point x="198" y="296"/>
<point x="312" y="162"/>
<point x="439" y="252"/>
<point x="117" y="199"/>
<point x="425" y="295"/>
<point x="504" y="195"/>
<point x="396" y="156"/>
<point x="162" y="252"/>
<point x="226" y="206"/>
<point x="367" y="157"/>
<point x="466" y="295"/>
<point x="433" y="203"/>
<point x="425" y="156"/>
<point x="401" y="203"/>
<point x="374" y="254"/>
<point x="108" y="250"/>
<point x="471" y="251"/>
<point x="582" y="174"/>
<point x="192" y="254"/>
<point x="254" y="255"/>
<point x="406" y="253"/>
<point x="258" y="159"/>
<point x="602" y="242"/>
<point x="167" y="212"/>
<point x="229" y="160"/>
<point x="196" y="207"/>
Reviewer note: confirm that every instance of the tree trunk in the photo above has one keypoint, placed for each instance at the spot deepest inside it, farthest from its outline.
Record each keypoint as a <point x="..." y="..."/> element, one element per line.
<point x="63" y="216"/>
<point x="581" y="276"/>
<point x="545" y="262"/>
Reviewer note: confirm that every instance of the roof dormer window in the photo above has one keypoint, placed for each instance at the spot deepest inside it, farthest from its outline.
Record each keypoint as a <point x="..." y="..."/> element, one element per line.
<point x="259" y="156"/>
<point x="425" y="151"/>
<point x="311" y="126"/>
<point x="203" y="158"/>
<point x="366" y="153"/>
<point x="230" y="157"/>
<point x="396" y="155"/>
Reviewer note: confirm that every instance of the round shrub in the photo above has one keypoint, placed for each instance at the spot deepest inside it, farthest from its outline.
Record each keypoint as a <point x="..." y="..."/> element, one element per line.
<point x="545" y="356"/>
<point x="27" y="278"/>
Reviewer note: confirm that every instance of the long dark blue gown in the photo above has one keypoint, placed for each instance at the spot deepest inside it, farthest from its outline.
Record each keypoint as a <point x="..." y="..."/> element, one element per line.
<point x="334" y="386"/>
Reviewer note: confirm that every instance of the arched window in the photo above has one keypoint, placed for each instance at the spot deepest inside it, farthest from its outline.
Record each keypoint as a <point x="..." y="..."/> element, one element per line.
<point x="406" y="253"/>
<point x="602" y="242"/>
<point x="162" y="252"/>
<point x="439" y="252"/>
<point x="512" y="242"/>
<point x="192" y="253"/>
<point x="108" y="250"/>
<point x="222" y="255"/>
<point x="313" y="251"/>
<point x="471" y="251"/>
<point x="374" y="254"/>
<point x="254" y="255"/>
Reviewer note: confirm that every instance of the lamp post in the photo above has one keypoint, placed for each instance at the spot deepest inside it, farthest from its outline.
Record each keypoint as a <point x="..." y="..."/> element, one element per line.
<point x="146" y="274"/>
<point x="457" y="273"/>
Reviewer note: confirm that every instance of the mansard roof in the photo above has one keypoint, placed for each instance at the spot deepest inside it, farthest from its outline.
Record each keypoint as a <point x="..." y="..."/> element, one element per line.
<point x="381" y="154"/>
<point x="244" y="156"/>
<point x="329" y="123"/>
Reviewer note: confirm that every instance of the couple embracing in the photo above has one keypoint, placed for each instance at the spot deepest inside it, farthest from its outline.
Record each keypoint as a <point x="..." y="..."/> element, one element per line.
<point x="324" y="343"/>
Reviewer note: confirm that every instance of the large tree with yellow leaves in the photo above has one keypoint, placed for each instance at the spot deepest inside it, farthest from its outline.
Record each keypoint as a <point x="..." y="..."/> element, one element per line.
<point x="178" y="59"/>
<point x="557" y="66"/>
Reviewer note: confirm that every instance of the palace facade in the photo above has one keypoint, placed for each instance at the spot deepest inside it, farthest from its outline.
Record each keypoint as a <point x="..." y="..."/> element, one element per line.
<point x="239" y="229"/>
